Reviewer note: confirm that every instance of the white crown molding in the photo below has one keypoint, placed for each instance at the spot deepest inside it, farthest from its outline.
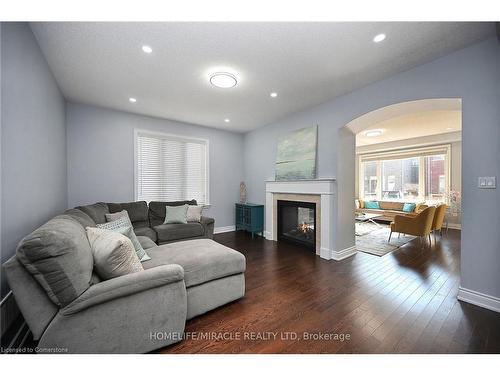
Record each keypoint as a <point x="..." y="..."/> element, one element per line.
<point x="229" y="228"/>
<point x="479" y="299"/>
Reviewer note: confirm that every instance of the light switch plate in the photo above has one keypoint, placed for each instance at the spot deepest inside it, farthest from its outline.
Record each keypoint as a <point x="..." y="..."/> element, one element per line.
<point x="487" y="183"/>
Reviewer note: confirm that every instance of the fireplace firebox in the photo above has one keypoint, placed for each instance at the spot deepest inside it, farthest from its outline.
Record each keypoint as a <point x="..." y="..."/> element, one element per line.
<point x="297" y="222"/>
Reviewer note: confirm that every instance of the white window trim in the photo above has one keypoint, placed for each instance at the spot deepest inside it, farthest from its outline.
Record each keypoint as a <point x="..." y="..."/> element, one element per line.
<point x="152" y="133"/>
<point x="419" y="152"/>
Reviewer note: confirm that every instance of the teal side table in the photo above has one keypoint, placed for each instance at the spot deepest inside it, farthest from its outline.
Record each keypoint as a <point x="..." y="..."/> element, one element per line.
<point x="250" y="217"/>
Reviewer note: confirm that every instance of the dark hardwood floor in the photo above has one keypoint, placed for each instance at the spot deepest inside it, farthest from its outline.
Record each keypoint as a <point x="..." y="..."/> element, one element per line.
<point x="403" y="302"/>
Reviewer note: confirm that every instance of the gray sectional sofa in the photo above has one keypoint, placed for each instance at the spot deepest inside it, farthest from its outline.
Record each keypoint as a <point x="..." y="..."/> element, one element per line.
<point x="148" y="220"/>
<point x="67" y="306"/>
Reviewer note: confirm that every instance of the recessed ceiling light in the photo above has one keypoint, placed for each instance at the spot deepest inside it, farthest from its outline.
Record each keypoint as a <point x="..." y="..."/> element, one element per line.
<point x="132" y="100"/>
<point x="223" y="80"/>
<point x="147" y="49"/>
<point x="226" y="120"/>
<point x="378" y="38"/>
<point x="373" y="132"/>
<point x="273" y="94"/>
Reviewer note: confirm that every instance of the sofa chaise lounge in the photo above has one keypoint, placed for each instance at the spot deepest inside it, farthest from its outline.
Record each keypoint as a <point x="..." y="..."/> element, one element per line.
<point x="67" y="306"/>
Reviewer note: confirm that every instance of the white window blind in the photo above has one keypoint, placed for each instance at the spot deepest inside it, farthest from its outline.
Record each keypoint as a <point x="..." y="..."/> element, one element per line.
<point x="170" y="168"/>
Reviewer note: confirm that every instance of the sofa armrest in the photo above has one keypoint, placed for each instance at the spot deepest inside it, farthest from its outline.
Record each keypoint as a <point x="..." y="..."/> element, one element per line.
<point x="125" y="285"/>
<point x="208" y="226"/>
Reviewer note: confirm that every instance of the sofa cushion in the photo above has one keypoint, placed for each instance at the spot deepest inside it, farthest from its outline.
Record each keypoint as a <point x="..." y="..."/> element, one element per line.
<point x="203" y="260"/>
<point x="146" y="242"/>
<point x="80" y="216"/>
<point x="96" y="211"/>
<point x="176" y="214"/>
<point x="409" y="207"/>
<point x="114" y="253"/>
<point x="147" y="232"/>
<point x="172" y="232"/>
<point x="123" y="226"/>
<point x="59" y="257"/>
<point x="194" y="213"/>
<point x="138" y="212"/>
<point x="393" y="206"/>
<point x="373" y="205"/>
<point x="157" y="210"/>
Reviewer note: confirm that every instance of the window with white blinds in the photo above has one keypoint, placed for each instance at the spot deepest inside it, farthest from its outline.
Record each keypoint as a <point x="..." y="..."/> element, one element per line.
<point x="170" y="168"/>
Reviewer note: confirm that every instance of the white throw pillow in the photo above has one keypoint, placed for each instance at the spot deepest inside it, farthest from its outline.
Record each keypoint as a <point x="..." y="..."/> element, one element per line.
<point x="194" y="213"/>
<point x="114" y="254"/>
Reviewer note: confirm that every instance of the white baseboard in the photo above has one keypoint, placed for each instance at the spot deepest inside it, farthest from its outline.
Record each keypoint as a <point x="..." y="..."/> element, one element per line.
<point x="229" y="228"/>
<point x="479" y="299"/>
<point x="344" y="253"/>
<point x="325" y="253"/>
<point x="328" y="254"/>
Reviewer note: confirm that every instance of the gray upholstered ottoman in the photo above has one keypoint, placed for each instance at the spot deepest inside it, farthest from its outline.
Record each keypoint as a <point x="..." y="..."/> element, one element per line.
<point x="213" y="273"/>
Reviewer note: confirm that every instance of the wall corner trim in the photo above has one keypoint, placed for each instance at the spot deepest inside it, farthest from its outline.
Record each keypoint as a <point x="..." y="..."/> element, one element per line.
<point x="479" y="299"/>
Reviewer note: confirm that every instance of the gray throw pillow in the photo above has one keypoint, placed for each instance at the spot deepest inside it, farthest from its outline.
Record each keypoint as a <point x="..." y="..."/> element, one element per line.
<point x="116" y="216"/>
<point x="114" y="254"/>
<point x="194" y="213"/>
<point x="124" y="227"/>
<point x="176" y="214"/>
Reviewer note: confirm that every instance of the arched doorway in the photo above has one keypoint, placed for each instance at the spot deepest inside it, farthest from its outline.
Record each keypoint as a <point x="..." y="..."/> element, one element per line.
<point x="406" y="127"/>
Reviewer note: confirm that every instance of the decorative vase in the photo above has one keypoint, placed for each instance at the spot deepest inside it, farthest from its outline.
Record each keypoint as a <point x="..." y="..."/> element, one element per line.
<point x="243" y="192"/>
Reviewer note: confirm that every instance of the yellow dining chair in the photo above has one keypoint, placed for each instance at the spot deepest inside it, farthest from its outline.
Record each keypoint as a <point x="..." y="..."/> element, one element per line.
<point x="437" y="223"/>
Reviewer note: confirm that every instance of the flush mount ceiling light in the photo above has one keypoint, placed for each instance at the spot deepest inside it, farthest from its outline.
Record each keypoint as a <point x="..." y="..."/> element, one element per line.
<point x="223" y="80"/>
<point x="226" y="120"/>
<point x="132" y="100"/>
<point x="378" y="38"/>
<point x="147" y="49"/>
<point x="273" y="94"/>
<point x="374" y="132"/>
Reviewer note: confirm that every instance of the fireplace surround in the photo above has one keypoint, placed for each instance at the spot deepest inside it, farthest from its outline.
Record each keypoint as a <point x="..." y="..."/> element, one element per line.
<point x="322" y="193"/>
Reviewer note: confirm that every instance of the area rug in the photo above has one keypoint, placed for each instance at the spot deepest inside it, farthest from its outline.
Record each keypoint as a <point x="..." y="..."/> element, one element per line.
<point x="374" y="239"/>
<point x="364" y="228"/>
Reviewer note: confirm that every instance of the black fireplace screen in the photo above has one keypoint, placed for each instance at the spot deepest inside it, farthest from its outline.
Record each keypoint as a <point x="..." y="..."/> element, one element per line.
<point x="297" y="222"/>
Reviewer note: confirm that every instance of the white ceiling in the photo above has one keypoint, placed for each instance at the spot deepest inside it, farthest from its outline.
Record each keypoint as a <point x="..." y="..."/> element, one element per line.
<point x="306" y="63"/>
<point x="414" y="125"/>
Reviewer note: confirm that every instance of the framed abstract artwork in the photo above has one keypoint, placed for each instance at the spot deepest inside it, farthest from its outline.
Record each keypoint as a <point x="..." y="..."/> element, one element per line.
<point x="296" y="155"/>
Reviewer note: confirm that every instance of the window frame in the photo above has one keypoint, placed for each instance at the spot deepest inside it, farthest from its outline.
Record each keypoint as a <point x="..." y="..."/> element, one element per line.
<point x="170" y="136"/>
<point x="414" y="152"/>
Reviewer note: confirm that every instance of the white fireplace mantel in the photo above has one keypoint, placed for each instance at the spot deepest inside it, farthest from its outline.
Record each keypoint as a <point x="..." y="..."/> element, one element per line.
<point x="324" y="188"/>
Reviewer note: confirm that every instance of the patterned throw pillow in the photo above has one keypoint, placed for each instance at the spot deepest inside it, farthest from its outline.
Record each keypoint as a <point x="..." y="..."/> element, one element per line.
<point x="124" y="227"/>
<point x="114" y="254"/>
<point x="194" y="213"/>
<point x="117" y="215"/>
<point x="176" y="214"/>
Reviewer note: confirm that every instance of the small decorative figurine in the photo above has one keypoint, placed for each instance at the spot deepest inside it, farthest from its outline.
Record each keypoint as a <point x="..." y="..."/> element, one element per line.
<point x="243" y="192"/>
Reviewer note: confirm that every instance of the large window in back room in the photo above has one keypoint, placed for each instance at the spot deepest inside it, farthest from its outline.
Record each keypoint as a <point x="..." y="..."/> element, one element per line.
<point x="412" y="175"/>
<point x="170" y="168"/>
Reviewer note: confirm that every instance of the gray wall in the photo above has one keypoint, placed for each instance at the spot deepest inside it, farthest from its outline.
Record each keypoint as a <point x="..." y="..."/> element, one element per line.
<point x="101" y="158"/>
<point x="471" y="74"/>
<point x="34" y="185"/>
